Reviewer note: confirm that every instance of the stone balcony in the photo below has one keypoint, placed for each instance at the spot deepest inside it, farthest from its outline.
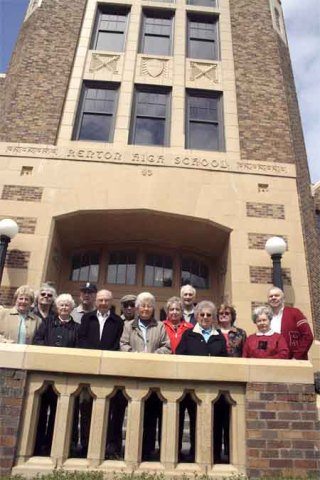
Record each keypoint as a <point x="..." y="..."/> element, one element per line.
<point x="274" y="424"/>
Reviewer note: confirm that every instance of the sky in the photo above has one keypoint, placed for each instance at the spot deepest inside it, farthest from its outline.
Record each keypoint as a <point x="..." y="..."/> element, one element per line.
<point x="303" y="29"/>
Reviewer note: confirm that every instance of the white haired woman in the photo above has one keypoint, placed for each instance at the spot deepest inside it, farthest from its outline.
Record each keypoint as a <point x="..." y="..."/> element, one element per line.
<point x="265" y="343"/>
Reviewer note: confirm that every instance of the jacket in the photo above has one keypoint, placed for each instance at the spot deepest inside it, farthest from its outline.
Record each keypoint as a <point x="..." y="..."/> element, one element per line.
<point x="89" y="332"/>
<point x="235" y="341"/>
<point x="266" y="346"/>
<point x="132" y="339"/>
<point x="193" y="343"/>
<point x="175" y="334"/>
<point x="10" y="322"/>
<point x="54" y="333"/>
<point x="297" y="333"/>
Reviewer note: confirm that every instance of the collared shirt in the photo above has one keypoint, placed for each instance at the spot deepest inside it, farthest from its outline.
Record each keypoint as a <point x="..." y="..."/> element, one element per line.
<point x="143" y="329"/>
<point x="206" y="333"/>
<point x="266" y="334"/>
<point x="22" y="330"/>
<point x="102" y="318"/>
<point x="276" y="321"/>
<point x="187" y="314"/>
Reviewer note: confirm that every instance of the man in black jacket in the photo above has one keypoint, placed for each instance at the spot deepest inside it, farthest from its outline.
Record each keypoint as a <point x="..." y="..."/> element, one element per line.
<point x="102" y="329"/>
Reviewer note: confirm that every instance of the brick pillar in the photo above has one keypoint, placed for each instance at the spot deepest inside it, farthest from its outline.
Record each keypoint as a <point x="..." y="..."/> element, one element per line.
<point x="283" y="434"/>
<point x="12" y="387"/>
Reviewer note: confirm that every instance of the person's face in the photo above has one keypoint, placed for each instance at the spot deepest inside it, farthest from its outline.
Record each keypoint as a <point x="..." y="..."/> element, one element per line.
<point x="64" y="309"/>
<point x="145" y="311"/>
<point x="45" y="298"/>
<point x="275" y="298"/>
<point x="263" y="323"/>
<point x="103" y="301"/>
<point x="205" y="318"/>
<point x="188" y="297"/>
<point x="224" y="318"/>
<point x="174" y="313"/>
<point x="87" y="298"/>
<point x="23" y="304"/>
<point x="128" y="309"/>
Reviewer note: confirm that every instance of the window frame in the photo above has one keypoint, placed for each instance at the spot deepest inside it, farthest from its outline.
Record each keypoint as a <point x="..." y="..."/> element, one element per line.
<point x="201" y="17"/>
<point x="152" y="89"/>
<point x="162" y="256"/>
<point x="81" y="109"/>
<point x="201" y="263"/>
<point x="205" y="94"/>
<point x="156" y="13"/>
<point x="200" y="3"/>
<point x="105" y="9"/>
<point x="90" y="253"/>
<point x="122" y="252"/>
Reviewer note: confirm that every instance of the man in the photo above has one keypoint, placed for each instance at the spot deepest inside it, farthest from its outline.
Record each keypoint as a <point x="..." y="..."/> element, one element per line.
<point x="188" y="296"/>
<point x="128" y="307"/>
<point x="44" y="302"/>
<point x="87" y="298"/>
<point x="291" y="323"/>
<point x="102" y="329"/>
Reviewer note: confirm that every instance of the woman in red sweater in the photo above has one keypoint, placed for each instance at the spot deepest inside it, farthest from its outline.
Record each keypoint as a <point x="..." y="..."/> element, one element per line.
<point x="265" y="343"/>
<point x="174" y="324"/>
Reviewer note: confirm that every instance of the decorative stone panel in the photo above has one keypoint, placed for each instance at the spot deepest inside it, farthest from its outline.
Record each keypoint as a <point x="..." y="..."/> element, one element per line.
<point x="17" y="259"/>
<point x="203" y="74"/>
<point x="22" y="194"/>
<point x="103" y="66"/>
<point x="155" y="70"/>
<point x="283" y="431"/>
<point x="258" y="240"/>
<point x="12" y="386"/>
<point x="264" y="275"/>
<point x="6" y="295"/>
<point x="265" y="210"/>
<point x="26" y="224"/>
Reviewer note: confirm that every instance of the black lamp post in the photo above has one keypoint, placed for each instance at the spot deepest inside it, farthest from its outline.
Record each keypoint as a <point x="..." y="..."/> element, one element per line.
<point x="275" y="247"/>
<point x="8" y="230"/>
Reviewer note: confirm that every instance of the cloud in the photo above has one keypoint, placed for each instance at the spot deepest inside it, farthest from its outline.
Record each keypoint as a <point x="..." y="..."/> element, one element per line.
<point x="303" y="30"/>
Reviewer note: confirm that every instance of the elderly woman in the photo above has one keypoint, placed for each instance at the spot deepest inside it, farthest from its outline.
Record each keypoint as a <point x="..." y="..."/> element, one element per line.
<point x="234" y="336"/>
<point x="18" y="324"/>
<point x="175" y="324"/>
<point x="146" y="334"/>
<point x="60" y="330"/>
<point x="203" y="339"/>
<point x="265" y="343"/>
<point x="44" y="302"/>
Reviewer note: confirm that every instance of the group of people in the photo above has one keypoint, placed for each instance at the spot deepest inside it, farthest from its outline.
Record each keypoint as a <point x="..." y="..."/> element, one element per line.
<point x="190" y="328"/>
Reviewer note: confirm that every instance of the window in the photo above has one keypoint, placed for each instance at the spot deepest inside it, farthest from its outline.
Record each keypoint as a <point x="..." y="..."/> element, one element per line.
<point x="96" y="112"/>
<point x="158" y="271"/>
<point x="203" y="3"/>
<point x="122" y="268"/>
<point x="85" y="267"/>
<point x="204" y="129"/>
<point x="110" y="28"/>
<point x="194" y="272"/>
<point x="156" y="32"/>
<point x="150" y="122"/>
<point x="202" y="41"/>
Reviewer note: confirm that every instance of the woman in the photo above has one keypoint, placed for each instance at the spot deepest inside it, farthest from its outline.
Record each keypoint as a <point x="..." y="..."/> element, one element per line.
<point x="265" y="343"/>
<point x="18" y="324"/>
<point x="146" y="334"/>
<point x="203" y="339"/>
<point x="60" y="330"/>
<point x="234" y="336"/>
<point x="175" y="324"/>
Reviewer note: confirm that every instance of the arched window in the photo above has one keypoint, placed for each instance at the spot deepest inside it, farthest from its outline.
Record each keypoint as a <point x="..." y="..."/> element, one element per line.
<point x="194" y="272"/>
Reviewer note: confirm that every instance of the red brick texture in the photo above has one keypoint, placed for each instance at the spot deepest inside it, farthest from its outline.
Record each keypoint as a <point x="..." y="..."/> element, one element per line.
<point x="26" y="224"/>
<point x="258" y="240"/>
<point x="43" y="56"/>
<point x="17" y="259"/>
<point x="12" y="387"/>
<point x="283" y="430"/>
<point x="264" y="275"/>
<point x="21" y="193"/>
<point x="265" y="210"/>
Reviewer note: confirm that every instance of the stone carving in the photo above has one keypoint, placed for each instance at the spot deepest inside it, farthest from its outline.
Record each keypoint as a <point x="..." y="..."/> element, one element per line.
<point x="101" y="61"/>
<point x="154" y="67"/>
<point x="208" y="71"/>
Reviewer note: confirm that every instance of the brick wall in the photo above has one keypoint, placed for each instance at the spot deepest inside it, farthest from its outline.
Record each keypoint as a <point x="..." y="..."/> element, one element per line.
<point x="265" y="210"/>
<point x="22" y="194"/>
<point x="264" y="275"/>
<point x="17" y="259"/>
<point x="258" y="240"/>
<point x="12" y="386"/>
<point x="43" y="57"/>
<point x="26" y="224"/>
<point x="283" y="430"/>
<point x="6" y="295"/>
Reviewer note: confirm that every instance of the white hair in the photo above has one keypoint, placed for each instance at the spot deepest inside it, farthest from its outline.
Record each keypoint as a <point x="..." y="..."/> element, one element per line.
<point x="145" y="297"/>
<point x="65" y="297"/>
<point x="187" y="287"/>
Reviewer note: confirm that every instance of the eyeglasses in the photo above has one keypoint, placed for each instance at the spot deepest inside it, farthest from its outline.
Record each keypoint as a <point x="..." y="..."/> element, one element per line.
<point x="223" y="314"/>
<point x="205" y="314"/>
<point x="128" y="305"/>
<point x="46" y="294"/>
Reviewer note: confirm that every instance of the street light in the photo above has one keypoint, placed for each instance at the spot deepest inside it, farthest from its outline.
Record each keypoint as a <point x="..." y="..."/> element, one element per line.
<point x="275" y="247"/>
<point x="8" y="230"/>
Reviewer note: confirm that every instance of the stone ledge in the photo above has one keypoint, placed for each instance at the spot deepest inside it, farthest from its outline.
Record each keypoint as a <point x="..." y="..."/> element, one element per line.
<point x="144" y="365"/>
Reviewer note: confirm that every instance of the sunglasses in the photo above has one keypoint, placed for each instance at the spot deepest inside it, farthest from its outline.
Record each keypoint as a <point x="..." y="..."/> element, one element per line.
<point x="128" y="304"/>
<point x="46" y="294"/>
<point x="223" y="314"/>
<point x="205" y="315"/>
